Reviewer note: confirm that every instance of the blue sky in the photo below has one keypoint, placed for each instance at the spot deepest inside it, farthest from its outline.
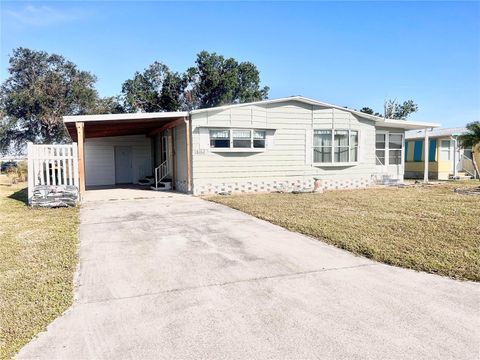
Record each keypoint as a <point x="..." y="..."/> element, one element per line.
<point x="352" y="54"/>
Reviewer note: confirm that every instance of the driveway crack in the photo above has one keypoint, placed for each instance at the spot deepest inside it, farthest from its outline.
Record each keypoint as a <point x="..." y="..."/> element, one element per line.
<point x="226" y="283"/>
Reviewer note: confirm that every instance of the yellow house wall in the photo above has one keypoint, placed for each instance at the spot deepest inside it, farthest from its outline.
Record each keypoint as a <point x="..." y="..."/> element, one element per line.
<point x="436" y="169"/>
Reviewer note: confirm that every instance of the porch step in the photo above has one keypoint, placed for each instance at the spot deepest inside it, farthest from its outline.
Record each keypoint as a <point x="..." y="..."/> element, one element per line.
<point x="163" y="186"/>
<point x="460" y="176"/>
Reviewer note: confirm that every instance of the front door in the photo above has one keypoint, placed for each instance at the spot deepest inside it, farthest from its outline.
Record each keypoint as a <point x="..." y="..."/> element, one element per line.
<point x="123" y="165"/>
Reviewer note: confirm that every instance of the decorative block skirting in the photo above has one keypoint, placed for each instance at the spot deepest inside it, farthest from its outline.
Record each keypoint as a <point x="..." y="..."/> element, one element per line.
<point x="294" y="184"/>
<point x="357" y="183"/>
<point x="181" y="185"/>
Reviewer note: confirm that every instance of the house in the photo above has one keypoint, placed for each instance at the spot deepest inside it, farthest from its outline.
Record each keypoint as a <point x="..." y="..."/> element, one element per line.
<point x="260" y="146"/>
<point x="445" y="157"/>
<point x="282" y="144"/>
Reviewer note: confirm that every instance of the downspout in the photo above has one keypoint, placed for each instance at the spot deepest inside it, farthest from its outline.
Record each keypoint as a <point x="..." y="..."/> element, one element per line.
<point x="188" y="139"/>
<point x="455" y="169"/>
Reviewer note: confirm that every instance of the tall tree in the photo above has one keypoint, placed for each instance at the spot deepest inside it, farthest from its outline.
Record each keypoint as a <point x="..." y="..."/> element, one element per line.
<point x="157" y="88"/>
<point x="394" y="110"/>
<point x="472" y="140"/>
<point x="40" y="89"/>
<point x="367" y="110"/>
<point x="216" y="80"/>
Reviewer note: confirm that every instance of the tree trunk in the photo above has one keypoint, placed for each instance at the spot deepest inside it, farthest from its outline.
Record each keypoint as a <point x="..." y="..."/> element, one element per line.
<point x="475" y="165"/>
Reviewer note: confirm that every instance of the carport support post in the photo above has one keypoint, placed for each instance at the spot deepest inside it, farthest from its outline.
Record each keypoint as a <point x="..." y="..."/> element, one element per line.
<point x="425" y="157"/>
<point x="187" y="140"/>
<point x="81" y="161"/>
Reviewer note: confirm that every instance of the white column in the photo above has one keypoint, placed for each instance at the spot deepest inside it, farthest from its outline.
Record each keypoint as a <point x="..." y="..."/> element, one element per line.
<point x="455" y="152"/>
<point x="425" y="157"/>
<point x="31" y="179"/>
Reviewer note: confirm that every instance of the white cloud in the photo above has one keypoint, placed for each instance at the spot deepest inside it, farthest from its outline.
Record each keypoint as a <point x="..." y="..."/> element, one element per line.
<point x="34" y="15"/>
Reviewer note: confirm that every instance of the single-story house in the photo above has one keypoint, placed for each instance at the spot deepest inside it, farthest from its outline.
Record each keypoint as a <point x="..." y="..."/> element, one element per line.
<point x="287" y="144"/>
<point x="446" y="159"/>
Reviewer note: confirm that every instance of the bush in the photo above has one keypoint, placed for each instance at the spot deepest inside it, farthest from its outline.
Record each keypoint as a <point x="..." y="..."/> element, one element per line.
<point x="18" y="173"/>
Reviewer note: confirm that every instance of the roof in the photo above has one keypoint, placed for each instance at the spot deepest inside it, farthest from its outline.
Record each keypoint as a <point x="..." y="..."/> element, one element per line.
<point x="128" y="116"/>
<point x="405" y="124"/>
<point x="435" y="133"/>
<point x="134" y="117"/>
<point x="122" y="124"/>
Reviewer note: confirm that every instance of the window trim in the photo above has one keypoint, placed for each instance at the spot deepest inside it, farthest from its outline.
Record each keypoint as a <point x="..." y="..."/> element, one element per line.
<point x="238" y="149"/>
<point x="332" y="147"/>
<point x="387" y="147"/>
<point x="446" y="150"/>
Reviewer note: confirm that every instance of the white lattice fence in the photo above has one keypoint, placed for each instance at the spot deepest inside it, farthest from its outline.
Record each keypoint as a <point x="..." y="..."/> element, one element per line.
<point x="52" y="166"/>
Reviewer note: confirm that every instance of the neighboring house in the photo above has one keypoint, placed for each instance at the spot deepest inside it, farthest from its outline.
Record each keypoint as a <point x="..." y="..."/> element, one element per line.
<point x="445" y="157"/>
<point x="282" y="144"/>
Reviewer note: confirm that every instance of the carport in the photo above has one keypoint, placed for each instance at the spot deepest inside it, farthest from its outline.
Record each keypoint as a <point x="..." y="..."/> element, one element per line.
<point x="116" y="149"/>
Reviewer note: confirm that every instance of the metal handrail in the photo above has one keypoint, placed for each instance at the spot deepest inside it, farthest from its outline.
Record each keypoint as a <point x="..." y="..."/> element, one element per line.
<point x="161" y="172"/>
<point x="462" y="159"/>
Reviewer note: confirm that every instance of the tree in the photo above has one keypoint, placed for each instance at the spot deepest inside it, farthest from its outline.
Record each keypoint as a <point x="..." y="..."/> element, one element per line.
<point x="394" y="110"/>
<point x="213" y="81"/>
<point x="367" y="110"/>
<point x="472" y="140"/>
<point x="216" y="81"/>
<point x="40" y="90"/>
<point x="156" y="89"/>
<point x="107" y="105"/>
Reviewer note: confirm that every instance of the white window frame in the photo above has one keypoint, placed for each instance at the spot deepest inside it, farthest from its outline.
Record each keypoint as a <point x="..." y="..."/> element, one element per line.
<point x="387" y="147"/>
<point x="238" y="149"/>
<point x="332" y="147"/>
<point x="447" y="150"/>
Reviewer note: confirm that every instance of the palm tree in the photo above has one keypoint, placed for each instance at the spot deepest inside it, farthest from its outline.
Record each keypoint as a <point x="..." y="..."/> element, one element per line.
<point x="470" y="140"/>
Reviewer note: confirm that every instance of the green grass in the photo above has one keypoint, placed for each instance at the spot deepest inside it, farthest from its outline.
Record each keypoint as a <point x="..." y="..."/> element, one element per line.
<point x="38" y="257"/>
<point x="427" y="228"/>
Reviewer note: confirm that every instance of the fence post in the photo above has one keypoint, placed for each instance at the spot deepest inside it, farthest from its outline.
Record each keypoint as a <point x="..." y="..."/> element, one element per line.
<point x="31" y="172"/>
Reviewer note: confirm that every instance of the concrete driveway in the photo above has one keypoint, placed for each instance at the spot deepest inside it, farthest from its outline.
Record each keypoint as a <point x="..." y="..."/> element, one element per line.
<point x="176" y="277"/>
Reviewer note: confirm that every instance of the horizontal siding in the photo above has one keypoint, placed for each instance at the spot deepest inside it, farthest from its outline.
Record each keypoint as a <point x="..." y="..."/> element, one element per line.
<point x="286" y="157"/>
<point x="100" y="158"/>
<point x="180" y="153"/>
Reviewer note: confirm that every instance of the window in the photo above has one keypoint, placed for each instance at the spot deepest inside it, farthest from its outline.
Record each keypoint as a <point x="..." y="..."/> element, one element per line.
<point x="388" y="148"/>
<point x="395" y="149"/>
<point x="341" y="148"/>
<point x="354" y="146"/>
<point x="322" y="146"/>
<point x="219" y="138"/>
<point x="242" y="138"/>
<point x="259" y="139"/>
<point x="445" y="153"/>
<point x="380" y="146"/>
<point x="337" y="146"/>
<point x="237" y="139"/>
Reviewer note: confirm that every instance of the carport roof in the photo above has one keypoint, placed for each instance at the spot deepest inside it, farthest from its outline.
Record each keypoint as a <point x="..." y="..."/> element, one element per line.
<point x="121" y="124"/>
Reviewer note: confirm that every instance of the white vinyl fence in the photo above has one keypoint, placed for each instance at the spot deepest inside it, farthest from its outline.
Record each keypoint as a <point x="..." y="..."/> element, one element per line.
<point x="52" y="165"/>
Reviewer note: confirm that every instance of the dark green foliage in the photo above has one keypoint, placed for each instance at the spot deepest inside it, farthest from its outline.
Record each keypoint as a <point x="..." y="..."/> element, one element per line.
<point x="156" y="89"/>
<point x="472" y="137"/>
<point x="216" y="81"/>
<point x="471" y="140"/>
<point x="40" y="90"/>
<point x="367" y="110"/>
<point x="213" y="81"/>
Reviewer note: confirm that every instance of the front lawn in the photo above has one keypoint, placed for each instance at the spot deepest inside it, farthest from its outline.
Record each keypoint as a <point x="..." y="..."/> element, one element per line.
<point x="38" y="257"/>
<point x="428" y="228"/>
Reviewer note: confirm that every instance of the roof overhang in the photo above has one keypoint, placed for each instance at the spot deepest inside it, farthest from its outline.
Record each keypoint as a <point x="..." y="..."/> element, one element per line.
<point x="123" y="124"/>
<point x="404" y="124"/>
